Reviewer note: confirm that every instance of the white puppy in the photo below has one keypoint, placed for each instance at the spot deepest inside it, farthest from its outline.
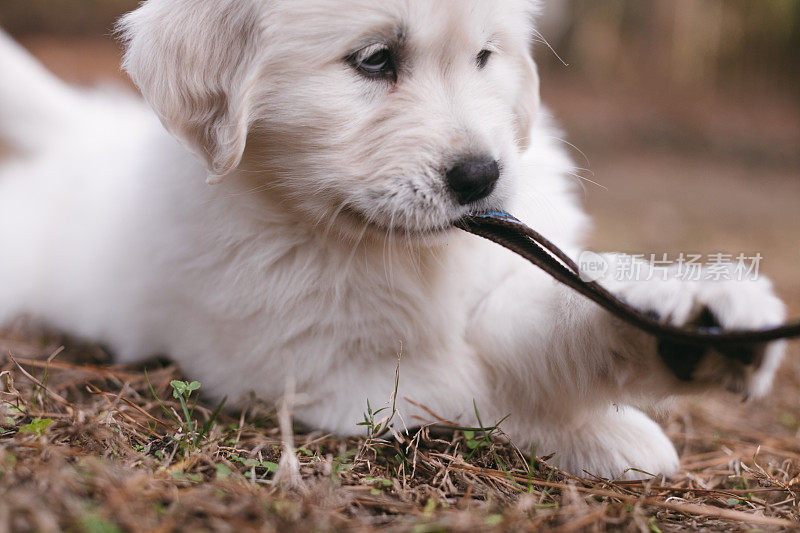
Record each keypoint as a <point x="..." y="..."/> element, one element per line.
<point x="342" y="139"/>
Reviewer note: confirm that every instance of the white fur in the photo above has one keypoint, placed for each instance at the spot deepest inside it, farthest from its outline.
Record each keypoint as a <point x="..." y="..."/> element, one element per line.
<point x="322" y="252"/>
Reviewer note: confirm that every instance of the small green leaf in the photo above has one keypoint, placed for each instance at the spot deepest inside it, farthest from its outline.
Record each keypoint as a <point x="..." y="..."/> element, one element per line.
<point x="379" y="480"/>
<point x="494" y="520"/>
<point x="270" y="466"/>
<point x="178" y="388"/>
<point x="430" y="507"/>
<point x="223" y="472"/>
<point x="193" y="386"/>
<point x="469" y="435"/>
<point x="37" y="426"/>
<point x="733" y="502"/>
<point x="96" y="524"/>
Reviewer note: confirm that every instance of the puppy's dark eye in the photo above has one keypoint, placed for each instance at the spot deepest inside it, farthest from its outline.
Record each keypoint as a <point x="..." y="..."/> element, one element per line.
<point x="375" y="61"/>
<point x="483" y="58"/>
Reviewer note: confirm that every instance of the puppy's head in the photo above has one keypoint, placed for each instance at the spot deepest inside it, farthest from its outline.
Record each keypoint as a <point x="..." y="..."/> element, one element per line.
<point x="397" y="115"/>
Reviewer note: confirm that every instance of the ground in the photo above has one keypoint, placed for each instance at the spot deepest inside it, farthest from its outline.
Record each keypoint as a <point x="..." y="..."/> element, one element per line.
<point x="89" y="446"/>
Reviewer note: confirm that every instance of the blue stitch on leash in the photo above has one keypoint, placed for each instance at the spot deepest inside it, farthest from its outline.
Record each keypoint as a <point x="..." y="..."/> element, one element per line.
<point x="502" y="215"/>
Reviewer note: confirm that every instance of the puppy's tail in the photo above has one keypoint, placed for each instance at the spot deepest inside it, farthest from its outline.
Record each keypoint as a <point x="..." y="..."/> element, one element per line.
<point x="33" y="102"/>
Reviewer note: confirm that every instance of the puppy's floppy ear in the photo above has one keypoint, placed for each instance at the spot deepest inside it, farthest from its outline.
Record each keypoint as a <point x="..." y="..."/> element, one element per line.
<point x="195" y="63"/>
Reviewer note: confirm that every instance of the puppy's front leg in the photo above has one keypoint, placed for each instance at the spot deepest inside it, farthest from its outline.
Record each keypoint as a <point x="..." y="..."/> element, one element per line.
<point x="564" y="368"/>
<point x="711" y="298"/>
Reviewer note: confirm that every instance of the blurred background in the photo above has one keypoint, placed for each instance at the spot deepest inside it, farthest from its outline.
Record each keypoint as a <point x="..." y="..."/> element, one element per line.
<point x="684" y="116"/>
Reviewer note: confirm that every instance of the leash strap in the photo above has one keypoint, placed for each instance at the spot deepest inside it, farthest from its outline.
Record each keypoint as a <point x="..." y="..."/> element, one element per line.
<point x="510" y="233"/>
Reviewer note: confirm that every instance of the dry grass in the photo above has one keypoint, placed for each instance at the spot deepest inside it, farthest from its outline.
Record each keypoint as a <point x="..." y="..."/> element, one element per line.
<point x="86" y="447"/>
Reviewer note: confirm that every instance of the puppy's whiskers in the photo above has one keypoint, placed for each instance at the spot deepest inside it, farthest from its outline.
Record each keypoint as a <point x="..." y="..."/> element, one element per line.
<point x="541" y="39"/>
<point x="332" y="219"/>
<point x="356" y="245"/>
<point x="583" y="154"/>
<point x="582" y="179"/>
<point x="388" y="243"/>
<point x="546" y="205"/>
<point x="416" y="259"/>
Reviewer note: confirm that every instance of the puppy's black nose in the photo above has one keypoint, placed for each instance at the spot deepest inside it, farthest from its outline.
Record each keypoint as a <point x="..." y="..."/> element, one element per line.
<point x="473" y="179"/>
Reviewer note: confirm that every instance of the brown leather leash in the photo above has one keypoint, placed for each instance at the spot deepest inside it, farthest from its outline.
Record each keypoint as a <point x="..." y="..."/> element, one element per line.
<point x="510" y="233"/>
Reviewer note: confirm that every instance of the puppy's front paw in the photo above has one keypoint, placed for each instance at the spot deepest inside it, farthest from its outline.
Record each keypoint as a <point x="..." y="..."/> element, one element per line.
<point x="620" y="444"/>
<point x="746" y="369"/>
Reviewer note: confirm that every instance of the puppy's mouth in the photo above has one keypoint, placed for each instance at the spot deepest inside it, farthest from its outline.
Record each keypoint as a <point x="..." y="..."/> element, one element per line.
<point x="387" y="228"/>
<point x="427" y="215"/>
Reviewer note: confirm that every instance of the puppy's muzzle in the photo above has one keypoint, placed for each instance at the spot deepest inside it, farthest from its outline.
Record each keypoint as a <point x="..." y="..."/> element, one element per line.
<point x="473" y="179"/>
